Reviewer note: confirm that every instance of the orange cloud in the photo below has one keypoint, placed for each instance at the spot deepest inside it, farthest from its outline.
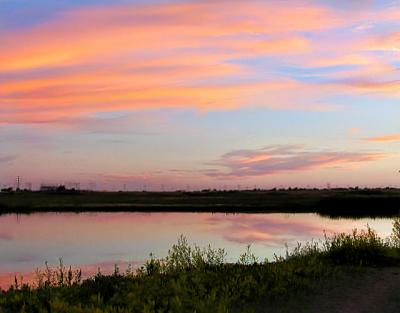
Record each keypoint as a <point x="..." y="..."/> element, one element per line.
<point x="387" y="138"/>
<point x="388" y="42"/>
<point x="384" y="88"/>
<point x="131" y="57"/>
<point x="180" y="55"/>
<point x="85" y="34"/>
<point x="37" y="102"/>
<point x="93" y="33"/>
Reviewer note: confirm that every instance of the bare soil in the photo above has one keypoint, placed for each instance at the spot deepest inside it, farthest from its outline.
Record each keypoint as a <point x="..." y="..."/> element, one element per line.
<point x="378" y="290"/>
<point x="371" y="290"/>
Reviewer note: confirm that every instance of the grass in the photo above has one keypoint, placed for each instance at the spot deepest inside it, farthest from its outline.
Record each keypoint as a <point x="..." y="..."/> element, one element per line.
<point x="334" y="202"/>
<point x="194" y="279"/>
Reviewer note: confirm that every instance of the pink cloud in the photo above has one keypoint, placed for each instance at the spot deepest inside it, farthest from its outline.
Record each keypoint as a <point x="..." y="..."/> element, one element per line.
<point x="117" y="58"/>
<point x="7" y="158"/>
<point x="181" y="55"/>
<point x="283" y="159"/>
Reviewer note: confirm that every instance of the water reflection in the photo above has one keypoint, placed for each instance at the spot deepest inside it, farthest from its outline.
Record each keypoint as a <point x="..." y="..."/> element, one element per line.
<point x="279" y="229"/>
<point x="267" y="229"/>
<point x="92" y="240"/>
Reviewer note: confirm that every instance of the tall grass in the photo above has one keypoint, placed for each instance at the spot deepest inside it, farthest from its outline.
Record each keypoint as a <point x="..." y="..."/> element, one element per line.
<point x="194" y="279"/>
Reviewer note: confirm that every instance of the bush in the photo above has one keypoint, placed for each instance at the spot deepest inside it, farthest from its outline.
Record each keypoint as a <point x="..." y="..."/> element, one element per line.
<point x="359" y="248"/>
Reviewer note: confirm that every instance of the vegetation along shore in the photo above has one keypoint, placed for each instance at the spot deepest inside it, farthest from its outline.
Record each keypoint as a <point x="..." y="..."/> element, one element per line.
<point x="334" y="273"/>
<point x="333" y="202"/>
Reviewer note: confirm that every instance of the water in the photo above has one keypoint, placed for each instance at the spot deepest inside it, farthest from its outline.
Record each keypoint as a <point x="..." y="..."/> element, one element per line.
<point x="100" y="240"/>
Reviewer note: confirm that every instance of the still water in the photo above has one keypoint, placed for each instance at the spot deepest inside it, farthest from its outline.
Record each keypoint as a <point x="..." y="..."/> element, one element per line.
<point x="100" y="240"/>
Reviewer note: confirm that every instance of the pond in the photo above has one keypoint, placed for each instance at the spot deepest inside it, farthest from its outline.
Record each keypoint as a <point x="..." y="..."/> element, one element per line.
<point x="93" y="241"/>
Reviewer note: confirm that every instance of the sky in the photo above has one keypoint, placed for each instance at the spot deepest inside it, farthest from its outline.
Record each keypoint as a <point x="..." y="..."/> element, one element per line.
<point x="165" y="95"/>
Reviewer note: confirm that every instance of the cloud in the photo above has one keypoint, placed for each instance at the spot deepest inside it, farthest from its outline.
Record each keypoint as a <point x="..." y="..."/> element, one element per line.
<point x="83" y="34"/>
<point x="283" y="159"/>
<point x="353" y="130"/>
<point x="365" y="85"/>
<point x="7" y="158"/>
<point x="138" y="123"/>
<point x="130" y="57"/>
<point x="388" y="42"/>
<point x="387" y="138"/>
<point x="197" y="55"/>
<point x="57" y="102"/>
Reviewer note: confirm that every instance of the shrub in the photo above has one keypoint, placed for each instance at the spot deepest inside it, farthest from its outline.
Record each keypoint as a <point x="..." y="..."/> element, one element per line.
<point x="358" y="248"/>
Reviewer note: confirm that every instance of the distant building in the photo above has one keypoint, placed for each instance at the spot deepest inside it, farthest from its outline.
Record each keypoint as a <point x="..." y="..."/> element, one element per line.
<point x="72" y="186"/>
<point x="48" y="188"/>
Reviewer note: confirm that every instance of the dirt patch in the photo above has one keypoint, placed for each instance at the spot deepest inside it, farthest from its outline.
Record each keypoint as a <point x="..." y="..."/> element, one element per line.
<point x="370" y="290"/>
<point x="376" y="290"/>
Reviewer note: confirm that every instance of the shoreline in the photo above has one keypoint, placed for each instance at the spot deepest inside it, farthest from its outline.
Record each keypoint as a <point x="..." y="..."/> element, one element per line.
<point x="338" y="274"/>
<point x="331" y="203"/>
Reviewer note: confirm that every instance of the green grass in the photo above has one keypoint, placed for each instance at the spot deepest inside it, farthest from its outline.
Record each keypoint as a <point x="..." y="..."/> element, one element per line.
<point x="192" y="279"/>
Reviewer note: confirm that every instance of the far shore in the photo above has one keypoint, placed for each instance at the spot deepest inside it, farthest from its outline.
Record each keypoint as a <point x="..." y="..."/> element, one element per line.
<point x="352" y="202"/>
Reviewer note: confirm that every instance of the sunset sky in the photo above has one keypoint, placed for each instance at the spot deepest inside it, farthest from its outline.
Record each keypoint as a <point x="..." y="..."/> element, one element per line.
<point x="200" y="94"/>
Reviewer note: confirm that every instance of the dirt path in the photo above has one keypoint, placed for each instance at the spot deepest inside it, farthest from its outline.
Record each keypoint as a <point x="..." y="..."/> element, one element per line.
<point x="367" y="291"/>
<point x="376" y="291"/>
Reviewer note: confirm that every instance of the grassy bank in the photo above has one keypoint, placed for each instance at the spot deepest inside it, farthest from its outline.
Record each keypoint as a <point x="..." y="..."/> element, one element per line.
<point x="333" y="202"/>
<point x="191" y="279"/>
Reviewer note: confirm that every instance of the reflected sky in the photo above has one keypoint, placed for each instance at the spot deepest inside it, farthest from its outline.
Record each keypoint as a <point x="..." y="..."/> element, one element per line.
<point x="100" y="240"/>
